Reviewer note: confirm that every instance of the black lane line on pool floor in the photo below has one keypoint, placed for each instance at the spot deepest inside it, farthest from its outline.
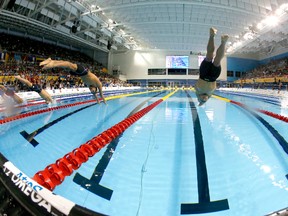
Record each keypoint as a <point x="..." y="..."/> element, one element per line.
<point x="30" y="137"/>
<point x="92" y="184"/>
<point x="204" y="205"/>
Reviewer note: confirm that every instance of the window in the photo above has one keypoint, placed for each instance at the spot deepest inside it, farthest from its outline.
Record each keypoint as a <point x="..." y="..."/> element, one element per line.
<point x="175" y="71"/>
<point x="238" y="73"/>
<point x="193" y="71"/>
<point x="230" y="73"/>
<point x="157" y="71"/>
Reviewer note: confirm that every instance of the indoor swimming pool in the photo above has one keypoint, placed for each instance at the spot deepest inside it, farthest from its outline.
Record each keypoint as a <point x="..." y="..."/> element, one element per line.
<point x="160" y="155"/>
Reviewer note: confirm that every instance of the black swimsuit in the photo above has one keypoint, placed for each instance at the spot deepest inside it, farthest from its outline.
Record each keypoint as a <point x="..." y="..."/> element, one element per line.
<point x="208" y="71"/>
<point x="36" y="88"/>
<point x="81" y="71"/>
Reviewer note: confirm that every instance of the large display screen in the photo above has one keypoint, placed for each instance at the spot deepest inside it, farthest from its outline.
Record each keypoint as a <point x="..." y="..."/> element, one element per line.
<point x="177" y="61"/>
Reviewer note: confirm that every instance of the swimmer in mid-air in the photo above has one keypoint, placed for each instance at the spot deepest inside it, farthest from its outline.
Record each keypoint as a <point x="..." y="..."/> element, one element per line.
<point x="90" y="79"/>
<point x="10" y="92"/>
<point x="210" y="69"/>
<point x="37" y="88"/>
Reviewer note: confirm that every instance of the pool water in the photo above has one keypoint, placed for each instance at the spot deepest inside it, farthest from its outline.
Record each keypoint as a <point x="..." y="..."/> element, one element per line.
<point x="179" y="158"/>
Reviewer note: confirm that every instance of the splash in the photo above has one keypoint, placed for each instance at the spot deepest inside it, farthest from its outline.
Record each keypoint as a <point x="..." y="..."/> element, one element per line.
<point x="284" y="102"/>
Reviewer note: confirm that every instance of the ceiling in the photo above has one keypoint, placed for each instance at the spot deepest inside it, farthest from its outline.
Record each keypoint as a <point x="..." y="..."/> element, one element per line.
<point x="154" y="24"/>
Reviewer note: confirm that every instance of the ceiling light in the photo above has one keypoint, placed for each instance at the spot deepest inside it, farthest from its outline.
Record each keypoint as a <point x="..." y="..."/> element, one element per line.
<point x="230" y="49"/>
<point x="260" y="25"/>
<point x="102" y="40"/>
<point x="248" y="36"/>
<point x="114" y="47"/>
<point x="237" y="44"/>
<point x="271" y="21"/>
<point x="279" y="12"/>
<point x="282" y="9"/>
<point x="122" y="31"/>
<point x="127" y="46"/>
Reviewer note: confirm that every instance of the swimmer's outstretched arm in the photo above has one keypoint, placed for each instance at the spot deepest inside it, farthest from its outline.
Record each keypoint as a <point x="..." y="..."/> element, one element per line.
<point x="49" y="63"/>
<point x="24" y="81"/>
<point x="17" y="99"/>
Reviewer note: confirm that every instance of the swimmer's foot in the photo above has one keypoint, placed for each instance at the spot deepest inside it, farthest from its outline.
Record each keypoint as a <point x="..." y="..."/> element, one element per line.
<point x="224" y="38"/>
<point x="213" y="31"/>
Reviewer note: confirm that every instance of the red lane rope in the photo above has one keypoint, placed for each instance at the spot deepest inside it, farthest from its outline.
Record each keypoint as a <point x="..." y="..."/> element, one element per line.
<point x="54" y="174"/>
<point x="274" y="115"/>
<point x="16" y="117"/>
<point x="31" y="103"/>
<point x="37" y="112"/>
<point x="271" y="114"/>
<point x="35" y="103"/>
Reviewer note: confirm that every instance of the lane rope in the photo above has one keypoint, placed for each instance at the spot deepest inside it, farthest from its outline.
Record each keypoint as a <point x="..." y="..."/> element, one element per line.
<point x="40" y="101"/>
<point x="37" y="112"/>
<point x="54" y="174"/>
<point x="271" y="114"/>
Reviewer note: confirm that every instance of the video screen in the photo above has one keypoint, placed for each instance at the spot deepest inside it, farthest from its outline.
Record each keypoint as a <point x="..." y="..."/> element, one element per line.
<point x="177" y="61"/>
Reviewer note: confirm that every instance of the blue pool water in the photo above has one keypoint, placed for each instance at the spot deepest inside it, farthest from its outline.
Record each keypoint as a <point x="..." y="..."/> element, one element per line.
<point x="218" y="159"/>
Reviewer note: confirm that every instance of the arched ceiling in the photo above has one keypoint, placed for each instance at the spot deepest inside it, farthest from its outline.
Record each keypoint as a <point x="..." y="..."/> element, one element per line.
<point x="155" y="24"/>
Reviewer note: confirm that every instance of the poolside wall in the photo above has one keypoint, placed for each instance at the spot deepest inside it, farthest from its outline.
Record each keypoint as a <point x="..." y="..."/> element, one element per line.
<point x="240" y="65"/>
<point x="135" y="64"/>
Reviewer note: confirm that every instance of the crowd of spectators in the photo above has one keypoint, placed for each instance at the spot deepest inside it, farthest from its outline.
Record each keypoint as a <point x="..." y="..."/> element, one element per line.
<point x="272" y="75"/>
<point x="273" y="69"/>
<point x="22" y="57"/>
